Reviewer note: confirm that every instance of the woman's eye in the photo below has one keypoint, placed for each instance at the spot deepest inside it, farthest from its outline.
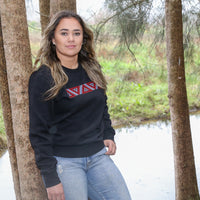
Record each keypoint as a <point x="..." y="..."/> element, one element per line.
<point x="64" y="33"/>
<point x="77" y="33"/>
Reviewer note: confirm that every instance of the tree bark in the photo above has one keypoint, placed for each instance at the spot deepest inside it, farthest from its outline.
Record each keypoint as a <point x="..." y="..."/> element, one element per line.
<point x="7" y="116"/>
<point x="185" y="173"/>
<point x="57" y="5"/>
<point x="19" y="66"/>
<point x="44" y="13"/>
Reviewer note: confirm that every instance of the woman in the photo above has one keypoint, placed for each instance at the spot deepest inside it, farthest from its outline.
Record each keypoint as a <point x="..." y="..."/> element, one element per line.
<point x="70" y="128"/>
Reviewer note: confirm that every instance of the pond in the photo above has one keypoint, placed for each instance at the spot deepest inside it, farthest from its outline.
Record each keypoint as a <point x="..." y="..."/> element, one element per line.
<point x="144" y="156"/>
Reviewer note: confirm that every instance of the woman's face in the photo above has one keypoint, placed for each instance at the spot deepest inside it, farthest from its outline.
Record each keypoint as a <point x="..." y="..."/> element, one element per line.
<point x="68" y="38"/>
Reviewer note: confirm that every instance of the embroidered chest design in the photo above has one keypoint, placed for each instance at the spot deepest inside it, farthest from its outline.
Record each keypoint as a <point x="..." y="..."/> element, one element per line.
<point x="82" y="89"/>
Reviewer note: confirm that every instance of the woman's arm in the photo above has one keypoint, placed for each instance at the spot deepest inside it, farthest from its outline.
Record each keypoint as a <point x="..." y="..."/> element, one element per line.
<point x="109" y="132"/>
<point x="40" y="122"/>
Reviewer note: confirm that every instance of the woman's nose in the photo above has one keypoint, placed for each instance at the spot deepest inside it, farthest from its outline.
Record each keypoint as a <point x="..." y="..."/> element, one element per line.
<point x="70" y="37"/>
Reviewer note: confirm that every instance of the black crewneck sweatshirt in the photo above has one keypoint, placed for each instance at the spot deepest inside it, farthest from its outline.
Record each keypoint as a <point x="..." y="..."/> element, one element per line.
<point x="73" y="124"/>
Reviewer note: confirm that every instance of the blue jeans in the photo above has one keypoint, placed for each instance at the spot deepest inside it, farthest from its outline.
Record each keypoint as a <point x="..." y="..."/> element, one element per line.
<point x="95" y="177"/>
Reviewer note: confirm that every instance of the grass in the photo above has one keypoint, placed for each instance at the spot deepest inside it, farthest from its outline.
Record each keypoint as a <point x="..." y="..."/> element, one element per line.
<point x="2" y="133"/>
<point x="137" y="90"/>
<point x="135" y="93"/>
<point x="2" y="129"/>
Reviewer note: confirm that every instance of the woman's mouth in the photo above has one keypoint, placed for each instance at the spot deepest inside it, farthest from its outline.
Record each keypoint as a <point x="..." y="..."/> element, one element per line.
<point x="71" y="46"/>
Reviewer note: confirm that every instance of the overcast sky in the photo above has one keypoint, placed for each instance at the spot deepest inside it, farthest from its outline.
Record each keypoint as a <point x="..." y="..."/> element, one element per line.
<point x="84" y="8"/>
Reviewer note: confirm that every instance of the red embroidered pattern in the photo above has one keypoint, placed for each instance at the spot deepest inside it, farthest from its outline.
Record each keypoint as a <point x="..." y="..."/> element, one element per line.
<point x="82" y="89"/>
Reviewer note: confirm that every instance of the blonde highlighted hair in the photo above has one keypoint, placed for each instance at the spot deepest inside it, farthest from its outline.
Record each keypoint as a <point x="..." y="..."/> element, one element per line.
<point x="86" y="57"/>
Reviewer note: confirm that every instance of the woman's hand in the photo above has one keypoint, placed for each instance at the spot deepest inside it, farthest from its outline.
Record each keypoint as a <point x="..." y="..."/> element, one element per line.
<point x="56" y="192"/>
<point x="111" y="147"/>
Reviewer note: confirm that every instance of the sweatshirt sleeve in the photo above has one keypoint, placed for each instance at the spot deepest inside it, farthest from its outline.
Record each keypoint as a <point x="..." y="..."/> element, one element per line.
<point x="109" y="132"/>
<point x="40" y="122"/>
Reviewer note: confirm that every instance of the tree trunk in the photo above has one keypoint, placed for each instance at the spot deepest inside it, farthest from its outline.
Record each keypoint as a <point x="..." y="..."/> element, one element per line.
<point x="19" y="66"/>
<point x="185" y="173"/>
<point x="44" y="13"/>
<point x="6" y="107"/>
<point x="57" y="5"/>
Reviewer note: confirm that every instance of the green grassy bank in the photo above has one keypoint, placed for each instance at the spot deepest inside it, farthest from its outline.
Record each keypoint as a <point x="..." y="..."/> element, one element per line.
<point x="2" y="134"/>
<point x="138" y="90"/>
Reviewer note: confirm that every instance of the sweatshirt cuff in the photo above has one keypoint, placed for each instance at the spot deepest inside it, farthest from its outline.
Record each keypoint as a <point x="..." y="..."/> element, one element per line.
<point x="50" y="179"/>
<point x="109" y="137"/>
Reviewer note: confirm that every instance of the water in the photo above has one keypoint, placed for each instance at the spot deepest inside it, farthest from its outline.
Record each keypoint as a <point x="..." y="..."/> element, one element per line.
<point x="144" y="156"/>
<point x="6" y="183"/>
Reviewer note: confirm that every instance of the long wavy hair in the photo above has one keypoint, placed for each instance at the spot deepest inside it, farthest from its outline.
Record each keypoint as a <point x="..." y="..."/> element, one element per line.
<point x="86" y="57"/>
